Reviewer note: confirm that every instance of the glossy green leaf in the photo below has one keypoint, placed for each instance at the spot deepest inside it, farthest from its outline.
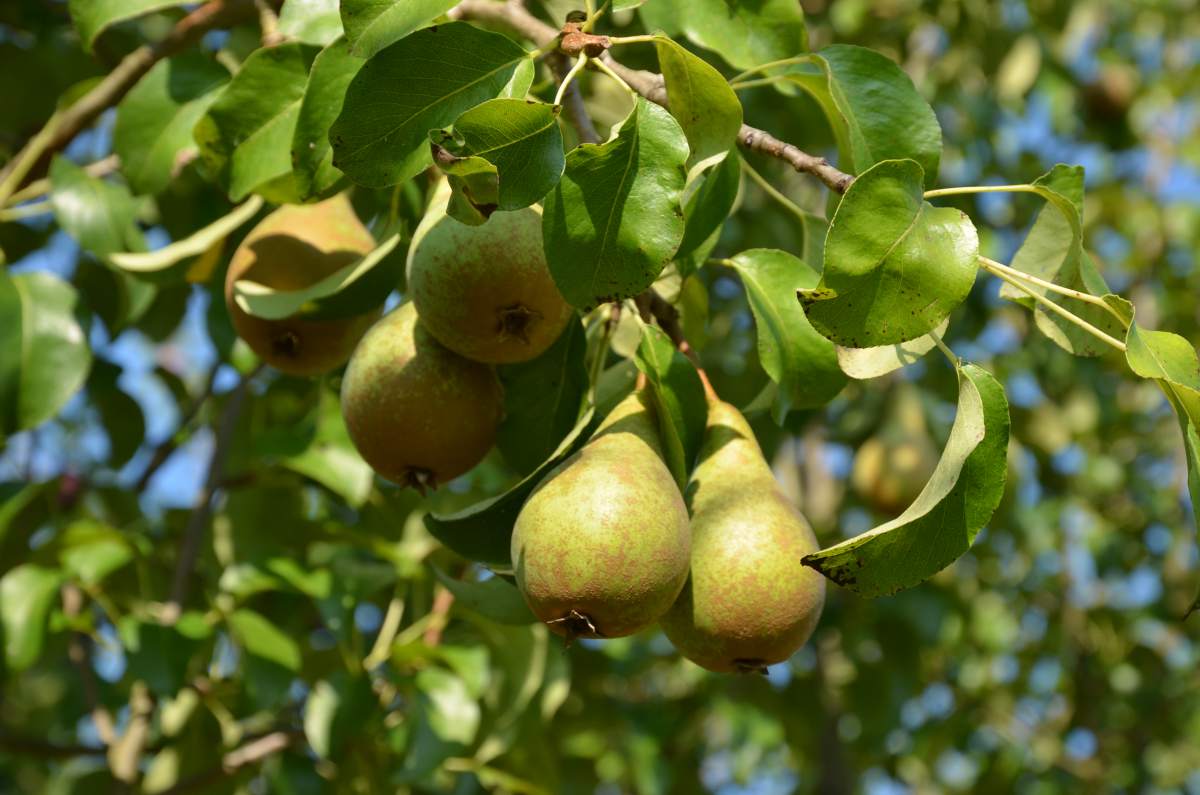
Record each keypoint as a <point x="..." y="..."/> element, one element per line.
<point x="745" y="33"/>
<point x="264" y="302"/>
<point x="1053" y="250"/>
<point x="864" y="363"/>
<point x="614" y="220"/>
<point x="164" y="261"/>
<point x="542" y="400"/>
<point x="381" y="135"/>
<point x="795" y="356"/>
<point x="701" y="101"/>
<point x="679" y="400"/>
<point x="706" y="209"/>
<point x="895" y="266"/>
<point x="495" y="598"/>
<point x="46" y="357"/>
<point x="98" y="213"/>
<point x="92" y="17"/>
<point x="372" y="25"/>
<point x="153" y="133"/>
<point x="943" y="521"/>
<point x="873" y="107"/>
<point x="522" y="140"/>
<point x="245" y="138"/>
<point x="261" y="638"/>
<point x="310" y="21"/>
<point x="26" y="594"/>
<point x="483" y="532"/>
<point x="312" y="155"/>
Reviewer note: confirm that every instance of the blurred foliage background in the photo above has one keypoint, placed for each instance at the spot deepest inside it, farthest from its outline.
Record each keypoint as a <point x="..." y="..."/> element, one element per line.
<point x="1051" y="658"/>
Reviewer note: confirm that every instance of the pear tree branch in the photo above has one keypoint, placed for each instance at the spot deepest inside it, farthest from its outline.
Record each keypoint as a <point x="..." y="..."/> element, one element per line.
<point x="513" y="15"/>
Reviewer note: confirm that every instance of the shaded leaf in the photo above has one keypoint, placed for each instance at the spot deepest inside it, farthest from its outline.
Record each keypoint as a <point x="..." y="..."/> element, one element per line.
<point x="542" y="400"/>
<point x="895" y="266"/>
<point x="312" y="154"/>
<point x="335" y="712"/>
<point x="245" y="138"/>
<point x="120" y="414"/>
<point x="92" y="17"/>
<point x="943" y="521"/>
<point x="795" y="356"/>
<point x="495" y="598"/>
<point x="331" y="459"/>
<point x="681" y="407"/>
<point x="614" y="220"/>
<point x="380" y="136"/>
<point x="46" y="357"/>
<point x="707" y="208"/>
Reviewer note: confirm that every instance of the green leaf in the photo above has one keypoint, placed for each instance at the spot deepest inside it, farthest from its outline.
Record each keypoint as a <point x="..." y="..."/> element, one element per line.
<point x="701" y="101"/>
<point x="372" y="25"/>
<point x="483" y="532"/>
<point x="943" y="521"/>
<point x="335" y="712"/>
<point x="614" y="220"/>
<point x="451" y="711"/>
<point x="495" y="598"/>
<point x="521" y="139"/>
<point x="120" y="414"/>
<point x="358" y="280"/>
<point x="46" y="357"/>
<point x="90" y="551"/>
<point x="863" y="363"/>
<point x="312" y="155"/>
<point x="161" y="262"/>
<point x="795" y="356"/>
<point x="26" y="594"/>
<point x="380" y="136"/>
<point x="680" y="404"/>
<point x="311" y="21"/>
<point x="1171" y="361"/>
<point x="155" y="120"/>
<point x="474" y="186"/>
<point x="895" y="266"/>
<point x="331" y="459"/>
<point x="99" y="214"/>
<point x="706" y="209"/>
<point x="542" y="400"/>
<point x="245" y="138"/>
<point x="1053" y="250"/>
<point x="873" y="107"/>
<point x="91" y="17"/>
<point x="745" y="33"/>
<point x="258" y="636"/>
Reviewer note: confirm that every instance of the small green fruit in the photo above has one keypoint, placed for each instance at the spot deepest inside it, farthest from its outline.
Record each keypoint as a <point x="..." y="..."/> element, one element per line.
<point x="892" y="467"/>
<point x="485" y="291"/>
<point x="418" y="413"/>
<point x="749" y="602"/>
<point x="293" y="248"/>
<point x="601" y="547"/>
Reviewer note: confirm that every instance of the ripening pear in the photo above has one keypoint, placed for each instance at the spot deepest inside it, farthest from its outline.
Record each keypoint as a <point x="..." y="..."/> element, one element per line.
<point x="485" y="291"/>
<point x="418" y="413"/>
<point x="892" y="467"/>
<point x="749" y="601"/>
<point x="293" y="248"/>
<point x="601" y="547"/>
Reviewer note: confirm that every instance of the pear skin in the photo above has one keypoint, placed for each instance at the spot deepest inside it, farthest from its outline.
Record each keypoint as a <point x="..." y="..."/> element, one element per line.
<point x="418" y="413"/>
<point x="749" y="601"/>
<point x="485" y="291"/>
<point x="292" y="248"/>
<point x="601" y="547"/>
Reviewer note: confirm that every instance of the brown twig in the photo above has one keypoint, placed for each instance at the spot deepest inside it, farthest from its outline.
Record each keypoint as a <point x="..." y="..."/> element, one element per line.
<point x="439" y="616"/>
<point x="79" y="652"/>
<point x="512" y="14"/>
<point x="65" y="125"/>
<point x="193" y="533"/>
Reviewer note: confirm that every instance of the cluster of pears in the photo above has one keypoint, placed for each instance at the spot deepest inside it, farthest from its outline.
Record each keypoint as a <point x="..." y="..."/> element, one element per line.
<point x="420" y="396"/>
<point x="606" y="545"/>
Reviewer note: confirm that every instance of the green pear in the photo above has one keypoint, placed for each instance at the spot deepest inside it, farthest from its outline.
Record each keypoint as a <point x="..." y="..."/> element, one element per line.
<point x="892" y="467"/>
<point x="418" y="413"/>
<point x="749" y="602"/>
<point x="485" y="291"/>
<point x="601" y="547"/>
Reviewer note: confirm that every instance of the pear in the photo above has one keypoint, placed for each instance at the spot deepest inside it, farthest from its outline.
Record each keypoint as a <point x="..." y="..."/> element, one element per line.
<point x="892" y="467"/>
<point x="749" y="601"/>
<point x="601" y="547"/>
<point x="292" y="248"/>
<point x="418" y="413"/>
<point x="485" y="291"/>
